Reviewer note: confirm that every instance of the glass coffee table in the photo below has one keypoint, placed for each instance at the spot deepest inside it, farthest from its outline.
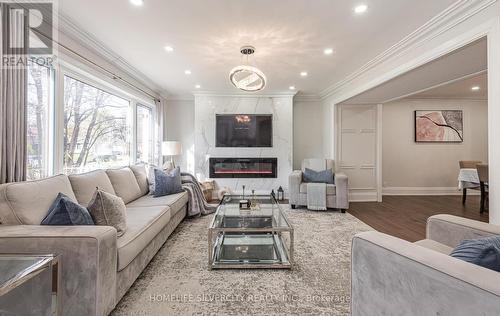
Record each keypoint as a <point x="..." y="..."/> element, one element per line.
<point x="261" y="237"/>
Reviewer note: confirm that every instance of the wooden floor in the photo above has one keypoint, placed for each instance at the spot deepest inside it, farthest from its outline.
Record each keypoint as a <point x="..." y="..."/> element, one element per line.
<point x="405" y="216"/>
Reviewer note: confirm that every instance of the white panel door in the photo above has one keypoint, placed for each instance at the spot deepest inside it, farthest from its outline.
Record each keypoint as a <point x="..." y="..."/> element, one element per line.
<point x="358" y="149"/>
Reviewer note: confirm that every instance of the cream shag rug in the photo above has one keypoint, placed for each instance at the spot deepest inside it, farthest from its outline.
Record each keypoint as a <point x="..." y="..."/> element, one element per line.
<point x="177" y="281"/>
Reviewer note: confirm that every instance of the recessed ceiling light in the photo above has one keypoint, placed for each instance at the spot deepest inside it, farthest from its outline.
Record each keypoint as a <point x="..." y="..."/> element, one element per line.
<point x="291" y="87"/>
<point x="475" y="88"/>
<point x="187" y="72"/>
<point x="328" y="51"/>
<point x="169" y="49"/>
<point x="137" y="3"/>
<point x="197" y="86"/>
<point x="303" y="74"/>
<point x="360" y="8"/>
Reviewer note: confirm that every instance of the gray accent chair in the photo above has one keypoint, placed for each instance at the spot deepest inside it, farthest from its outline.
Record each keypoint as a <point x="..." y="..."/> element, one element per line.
<point x="337" y="195"/>
<point x="391" y="276"/>
<point x="97" y="266"/>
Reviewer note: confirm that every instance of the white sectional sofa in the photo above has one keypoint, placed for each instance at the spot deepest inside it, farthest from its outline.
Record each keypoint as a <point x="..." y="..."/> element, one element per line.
<point x="97" y="267"/>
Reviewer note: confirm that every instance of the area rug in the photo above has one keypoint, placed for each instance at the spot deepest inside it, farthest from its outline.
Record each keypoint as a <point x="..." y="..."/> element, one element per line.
<point x="178" y="282"/>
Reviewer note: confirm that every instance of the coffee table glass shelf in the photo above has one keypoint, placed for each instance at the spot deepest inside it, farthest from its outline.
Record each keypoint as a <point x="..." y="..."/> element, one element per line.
<point x="261" y="237"/>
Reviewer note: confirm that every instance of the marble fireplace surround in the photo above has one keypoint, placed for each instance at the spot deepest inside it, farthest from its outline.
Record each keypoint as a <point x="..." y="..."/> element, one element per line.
<point x="280" y="106"/>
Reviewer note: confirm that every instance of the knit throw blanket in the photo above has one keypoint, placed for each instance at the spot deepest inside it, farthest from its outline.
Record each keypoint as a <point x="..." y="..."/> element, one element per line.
<point x="316" y="196"/>
<point x="197" y="204"/>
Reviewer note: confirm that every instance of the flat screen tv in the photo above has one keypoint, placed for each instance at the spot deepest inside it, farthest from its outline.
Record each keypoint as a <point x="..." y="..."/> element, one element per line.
<point x="244" y="130"/>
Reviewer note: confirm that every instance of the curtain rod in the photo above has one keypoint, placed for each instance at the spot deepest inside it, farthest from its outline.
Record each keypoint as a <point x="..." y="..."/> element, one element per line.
<point x="113" y="75"/>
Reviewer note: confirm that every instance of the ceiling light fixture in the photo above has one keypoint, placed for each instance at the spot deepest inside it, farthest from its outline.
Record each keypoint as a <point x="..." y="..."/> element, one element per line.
<point x="475" y="88"/>
<point x="328" y="51"/>
<point x="246" y="77"/>
<point x="291" y="87"/>
<point x="137" y="3"/>
<point x="169" y="49"/>
<point x="187" y="72"/>
<point x="361" y="8"/>
<point x="303" y="74"/>
<point x="197" y="86"/>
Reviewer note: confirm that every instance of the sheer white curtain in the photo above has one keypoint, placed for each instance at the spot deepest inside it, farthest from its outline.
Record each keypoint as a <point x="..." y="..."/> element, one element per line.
<point x="159" y="130"/>
<point x="12" y="106"/>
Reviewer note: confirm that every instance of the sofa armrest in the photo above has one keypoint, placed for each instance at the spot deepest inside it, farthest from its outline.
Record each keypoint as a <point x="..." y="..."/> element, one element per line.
<point x="342" y="190"/>
<point x="390" y="275"/>
<point x="88" y="262"/>
<point x="294" y="181"/>
<point x="451" y="230"/>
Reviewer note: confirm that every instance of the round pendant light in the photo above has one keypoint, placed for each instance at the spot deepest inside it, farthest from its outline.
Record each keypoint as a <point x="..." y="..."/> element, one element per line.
<point x="246" y="77"/>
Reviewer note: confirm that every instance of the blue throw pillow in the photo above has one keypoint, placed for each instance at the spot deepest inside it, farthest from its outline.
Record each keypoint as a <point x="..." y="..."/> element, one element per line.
<point x="325" y="176"/>
<point x="167" y="182"/>
<point x="484" y="252"/>
<point x="66" y="212"/>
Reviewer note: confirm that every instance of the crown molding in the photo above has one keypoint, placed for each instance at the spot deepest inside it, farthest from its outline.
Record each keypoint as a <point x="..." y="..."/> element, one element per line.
<point x="447" y="19"/>
<point x="243" y="94"/>
<point x="70" y="28"/>
<point x="456" y="99"/>
<point x="299" y="97"/>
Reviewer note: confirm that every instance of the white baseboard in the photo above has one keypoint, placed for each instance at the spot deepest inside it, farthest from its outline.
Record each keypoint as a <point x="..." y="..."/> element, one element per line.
<point x="426" y="191"/>
<point x="362" y="196"/>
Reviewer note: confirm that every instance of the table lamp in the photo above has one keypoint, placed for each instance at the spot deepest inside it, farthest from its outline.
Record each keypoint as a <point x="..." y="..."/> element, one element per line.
<point x="171" y="148"/>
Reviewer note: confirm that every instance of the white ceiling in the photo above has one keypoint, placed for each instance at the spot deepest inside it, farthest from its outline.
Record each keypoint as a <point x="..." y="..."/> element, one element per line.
<point x="465" y="62"/>
<point x="289" y="35"/>
<point x="460" y="89"/>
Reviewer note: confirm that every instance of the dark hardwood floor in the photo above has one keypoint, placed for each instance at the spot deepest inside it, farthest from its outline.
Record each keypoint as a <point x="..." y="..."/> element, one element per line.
<point x="405" y="216"/>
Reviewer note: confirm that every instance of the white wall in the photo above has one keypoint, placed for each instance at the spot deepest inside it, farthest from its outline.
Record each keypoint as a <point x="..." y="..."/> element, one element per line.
<point x="413" y="168"/>
<point x="179" y="126"/>
<point x="281" y="107"/>
<point x="308" y="122"/>
<point x="479" y="18"/>
<point x="307" y="131"/>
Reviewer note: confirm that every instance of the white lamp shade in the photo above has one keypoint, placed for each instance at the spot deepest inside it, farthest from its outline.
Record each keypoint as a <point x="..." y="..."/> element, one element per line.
<point x="171" y="148"/>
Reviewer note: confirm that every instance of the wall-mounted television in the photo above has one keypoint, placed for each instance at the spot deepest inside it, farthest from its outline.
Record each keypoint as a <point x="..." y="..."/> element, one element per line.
<point x="244" y="130"/>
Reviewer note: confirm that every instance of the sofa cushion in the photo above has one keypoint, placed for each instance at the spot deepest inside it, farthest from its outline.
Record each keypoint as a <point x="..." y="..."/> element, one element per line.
<point x="141" y="175"/>
<point x="27" y="202"/>
<point x="434" y="245"/>
<point x="66" y="212"/>
<point x="125" y="184"/>
<point x="143" y="224"/>
<point x="167" y="182"/>
<point x="175" y="201"/>
<point x="484" y="252"/>
<point x="108" y="210"/>
<point x="84" y="185"/>
<point x="323" y="176"/>
<point x="330" y="188"/>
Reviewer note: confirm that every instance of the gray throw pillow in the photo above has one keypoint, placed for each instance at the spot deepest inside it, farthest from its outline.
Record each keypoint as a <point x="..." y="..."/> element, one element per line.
<point x="167" y="182"/>
<point x="64" y="211"/>
<point x="484" y="252"/>
<point x="108" y="210"/>
<point x="325" y="176"/>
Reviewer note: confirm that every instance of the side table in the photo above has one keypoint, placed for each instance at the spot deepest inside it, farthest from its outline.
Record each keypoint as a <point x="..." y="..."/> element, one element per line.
<point x="29" y="284"/>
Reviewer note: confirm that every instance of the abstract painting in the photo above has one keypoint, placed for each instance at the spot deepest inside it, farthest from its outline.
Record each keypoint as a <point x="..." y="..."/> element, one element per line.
<point x="444" y="126"/>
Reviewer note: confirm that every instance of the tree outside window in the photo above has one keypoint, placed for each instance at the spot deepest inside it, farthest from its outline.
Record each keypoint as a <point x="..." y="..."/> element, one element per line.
<point x="37" y="120"/>
<point x="96" y="128"/>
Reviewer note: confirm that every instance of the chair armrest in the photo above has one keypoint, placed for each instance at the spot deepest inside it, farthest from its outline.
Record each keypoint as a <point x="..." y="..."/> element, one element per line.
<point x="88" y="262"/>
<point x="451" y="230"/>
<point x="294" y="181"/>
<point x="391" y="275"/>
<point x="342" y="190"/>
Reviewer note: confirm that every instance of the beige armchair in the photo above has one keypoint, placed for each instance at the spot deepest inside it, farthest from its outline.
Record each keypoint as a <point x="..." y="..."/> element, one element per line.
<point x="336" y="194"/>
<point x="391" y="276"/>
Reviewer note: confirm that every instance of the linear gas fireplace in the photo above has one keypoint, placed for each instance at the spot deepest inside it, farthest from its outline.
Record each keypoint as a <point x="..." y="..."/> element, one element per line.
<point x="243" y="167"/>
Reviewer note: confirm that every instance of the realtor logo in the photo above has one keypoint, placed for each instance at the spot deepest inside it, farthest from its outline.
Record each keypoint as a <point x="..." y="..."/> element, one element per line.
<point x="27" y="28"/>
<point x="27" y="32"/>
